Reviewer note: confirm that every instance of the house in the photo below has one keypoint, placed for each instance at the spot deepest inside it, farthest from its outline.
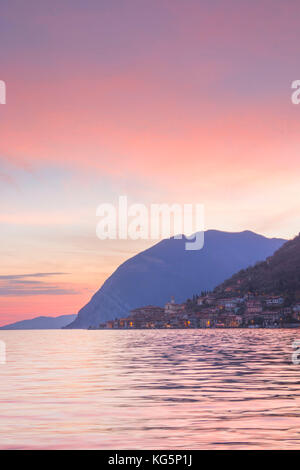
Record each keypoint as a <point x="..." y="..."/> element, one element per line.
<point x="123" y="322"/>
<point x="230" y="321"/>
<point x="275" y="301"/>
<point x="238" y="300"/>
<point x="210" y="299"/>
<point x="229" y="289"/>
<point x="193" y="321"/>
<point x="173" y="308"/>
<point x="205" y="321"/>
<point x="144" y="317"/>
<point x="253" y="306"/>
<point x="287" y="311"/>
<point x="230" y="305"/>
<point x="200" y="300"/>
<point x="296" y="312"/>
<point x="206" y="318"/>
<point x="270" y="317"/>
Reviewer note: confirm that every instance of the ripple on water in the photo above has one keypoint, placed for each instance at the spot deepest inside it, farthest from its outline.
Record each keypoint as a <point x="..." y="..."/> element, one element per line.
<point x="162" y="389"/>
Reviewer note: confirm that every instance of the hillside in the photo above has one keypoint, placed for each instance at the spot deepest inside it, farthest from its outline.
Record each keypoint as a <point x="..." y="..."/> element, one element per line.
<point x="41" y="323"/>
<point x="278" y="275"/>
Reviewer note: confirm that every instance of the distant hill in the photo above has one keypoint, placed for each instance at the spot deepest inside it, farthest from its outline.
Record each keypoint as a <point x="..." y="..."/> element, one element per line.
<point x="278" y="275"/>
<point x="41" y="323"/>
<point x="167" y="269"/>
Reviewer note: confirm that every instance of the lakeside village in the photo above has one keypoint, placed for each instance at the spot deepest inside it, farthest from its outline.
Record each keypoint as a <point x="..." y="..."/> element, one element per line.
<point x="209" y="311"/>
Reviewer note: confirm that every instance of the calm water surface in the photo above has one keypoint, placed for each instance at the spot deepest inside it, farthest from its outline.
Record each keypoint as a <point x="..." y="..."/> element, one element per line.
<point x="197" y="389"/>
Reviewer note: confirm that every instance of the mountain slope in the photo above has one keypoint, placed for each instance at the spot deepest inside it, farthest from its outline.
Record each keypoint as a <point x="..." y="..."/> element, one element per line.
<point x="167" y="269"/>
<point x="278" y="275"/>
<point x="41" y="323"/>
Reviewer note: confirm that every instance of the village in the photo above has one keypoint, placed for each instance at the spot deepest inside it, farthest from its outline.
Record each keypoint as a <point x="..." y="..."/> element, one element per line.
<point x="210" y="311"/>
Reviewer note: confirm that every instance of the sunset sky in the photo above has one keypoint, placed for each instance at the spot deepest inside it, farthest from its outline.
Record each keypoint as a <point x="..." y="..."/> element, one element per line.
<point x="160" y="100"/>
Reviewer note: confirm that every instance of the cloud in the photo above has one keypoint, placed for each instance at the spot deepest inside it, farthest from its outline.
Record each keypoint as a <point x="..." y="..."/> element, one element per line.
<point x="46" y="290"/>
<point x="18" y="285"/>
<point x="22" y="276"/>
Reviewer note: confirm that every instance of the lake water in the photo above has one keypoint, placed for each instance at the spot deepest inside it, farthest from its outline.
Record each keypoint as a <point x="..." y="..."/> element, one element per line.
<point x="195" y="389"/>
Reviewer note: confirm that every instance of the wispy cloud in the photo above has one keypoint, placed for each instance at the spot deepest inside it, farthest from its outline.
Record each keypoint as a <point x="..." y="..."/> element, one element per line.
<point x="9" y="291"/>
<point x="24" y="276"/>
<point x="18" y="285"/>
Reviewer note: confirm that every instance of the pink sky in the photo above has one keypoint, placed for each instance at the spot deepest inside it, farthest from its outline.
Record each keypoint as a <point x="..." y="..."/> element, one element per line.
<point x="162" y="101"/>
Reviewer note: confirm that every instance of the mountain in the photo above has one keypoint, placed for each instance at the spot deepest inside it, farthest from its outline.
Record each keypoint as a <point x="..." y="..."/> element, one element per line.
<point x="167" y="269"/>
<point x="278" y="275"/>
<point x="41" y="323"/>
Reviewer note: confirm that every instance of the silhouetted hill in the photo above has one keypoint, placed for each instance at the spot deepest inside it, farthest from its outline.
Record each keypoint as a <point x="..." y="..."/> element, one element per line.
<point x="278" y="275"/>
<point x="167" y="269"/>
<point x="41" y="323"/>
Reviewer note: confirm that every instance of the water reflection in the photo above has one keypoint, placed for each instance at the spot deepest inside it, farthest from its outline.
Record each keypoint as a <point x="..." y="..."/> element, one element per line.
<point x="150" y="389"/>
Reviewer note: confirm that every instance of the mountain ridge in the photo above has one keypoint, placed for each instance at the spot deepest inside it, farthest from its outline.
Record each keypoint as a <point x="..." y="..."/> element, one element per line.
<point x="40" y="323"/>
<point x="166" y="269"/>
<point x="279" y="274"/>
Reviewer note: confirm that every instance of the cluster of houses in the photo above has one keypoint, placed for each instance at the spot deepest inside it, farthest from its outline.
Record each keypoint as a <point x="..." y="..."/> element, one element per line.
<point x="209" y="311"/>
